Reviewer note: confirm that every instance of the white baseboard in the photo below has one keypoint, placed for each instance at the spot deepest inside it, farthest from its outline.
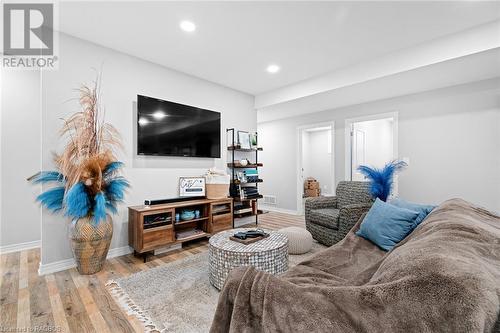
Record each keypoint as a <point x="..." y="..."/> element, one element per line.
<point x="63" y="265"/>
<point x="119" y="251"/>
<point x="57" y="266"/>
<point x="19" y="247"/>
<point x="278" y="210"/>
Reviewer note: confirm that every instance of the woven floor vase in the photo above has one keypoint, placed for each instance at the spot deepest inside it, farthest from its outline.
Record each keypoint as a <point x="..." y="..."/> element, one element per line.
<point x="90" y="243"/>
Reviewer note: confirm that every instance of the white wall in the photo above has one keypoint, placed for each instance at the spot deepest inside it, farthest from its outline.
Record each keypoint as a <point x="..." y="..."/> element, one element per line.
<point x="318" y="158"/>
<point x="123" y="78"/>
<point x="20" y="156"/>
<point x="451" y="136"/>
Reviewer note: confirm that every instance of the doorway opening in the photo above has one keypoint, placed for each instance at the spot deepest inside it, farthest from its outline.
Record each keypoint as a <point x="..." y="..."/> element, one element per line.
<point x="370" y="141"/>
<point x="315" y="162"/>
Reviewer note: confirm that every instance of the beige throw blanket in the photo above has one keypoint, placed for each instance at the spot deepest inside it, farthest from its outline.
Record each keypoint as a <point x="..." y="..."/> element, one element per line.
<point x="444" y="277"/>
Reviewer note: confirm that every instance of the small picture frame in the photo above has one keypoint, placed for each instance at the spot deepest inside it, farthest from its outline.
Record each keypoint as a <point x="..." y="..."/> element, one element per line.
<point x="192" y="186"/>
<point x="244" y="140"/>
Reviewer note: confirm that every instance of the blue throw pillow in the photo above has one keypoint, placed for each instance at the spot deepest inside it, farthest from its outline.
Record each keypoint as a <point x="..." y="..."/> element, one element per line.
<point x="386" y="225"/>
<point x="423" y="210"/>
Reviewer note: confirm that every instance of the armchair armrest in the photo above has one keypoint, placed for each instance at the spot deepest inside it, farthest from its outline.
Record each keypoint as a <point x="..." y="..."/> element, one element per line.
<point x="351" y="214"/>
<point x="321" y="202"/>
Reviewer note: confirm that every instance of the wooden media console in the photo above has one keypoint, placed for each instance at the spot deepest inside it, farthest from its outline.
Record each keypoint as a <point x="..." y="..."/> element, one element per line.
<point x="154" y="227"/>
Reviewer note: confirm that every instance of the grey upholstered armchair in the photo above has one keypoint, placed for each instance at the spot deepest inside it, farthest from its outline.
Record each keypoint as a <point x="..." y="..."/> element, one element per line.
<point x="329" y="219"/>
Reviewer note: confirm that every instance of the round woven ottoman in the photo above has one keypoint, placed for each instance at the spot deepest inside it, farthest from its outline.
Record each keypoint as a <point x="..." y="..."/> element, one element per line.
<point x="299" y="240"/>
<point x="269" y="255"/>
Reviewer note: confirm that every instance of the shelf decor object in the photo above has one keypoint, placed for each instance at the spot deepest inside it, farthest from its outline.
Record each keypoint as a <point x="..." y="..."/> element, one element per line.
<point x="88" y="186"/>
<point x="217" y="184"/>
<point x="253" y="140"/>
<point x="187" y="215"/>
<point x="192" y="186"/>
<point x="244" y="188"/>
<point x="244" y="140"/>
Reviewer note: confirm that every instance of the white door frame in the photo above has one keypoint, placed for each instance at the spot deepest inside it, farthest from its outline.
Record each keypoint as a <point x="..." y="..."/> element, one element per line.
<point x="348" y="142"/>
<point x="300" y="185"/>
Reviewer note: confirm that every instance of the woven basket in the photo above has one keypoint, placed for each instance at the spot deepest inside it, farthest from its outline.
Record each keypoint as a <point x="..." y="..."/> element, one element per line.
<point x="90" y="243"/>
<point x="217" y="191"/>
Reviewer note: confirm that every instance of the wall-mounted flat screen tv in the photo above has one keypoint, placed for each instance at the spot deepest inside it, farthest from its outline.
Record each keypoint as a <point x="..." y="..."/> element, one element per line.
<point x="172" y="129"/>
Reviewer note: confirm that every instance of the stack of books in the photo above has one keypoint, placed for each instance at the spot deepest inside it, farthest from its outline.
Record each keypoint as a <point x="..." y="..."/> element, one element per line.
<point x="252" y="175"/>
<point x="249" y="192"/>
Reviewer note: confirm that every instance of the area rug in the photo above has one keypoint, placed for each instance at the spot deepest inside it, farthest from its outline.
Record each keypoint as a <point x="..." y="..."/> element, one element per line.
<point x="176" y="297"/>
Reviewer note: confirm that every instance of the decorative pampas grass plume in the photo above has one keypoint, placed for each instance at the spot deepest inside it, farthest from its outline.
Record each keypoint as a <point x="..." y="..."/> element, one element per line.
<point x="46" y="177"/>
<point x="112" y="168"/>
<point x="91" y="141"/>
<point x="77" y="201"/>
<point x="99" y="207"/>
<point x="87" y="178"/>
<point x="381" y="180"/>
<point x="115" y="189"/>
<point x="52" y="199"/>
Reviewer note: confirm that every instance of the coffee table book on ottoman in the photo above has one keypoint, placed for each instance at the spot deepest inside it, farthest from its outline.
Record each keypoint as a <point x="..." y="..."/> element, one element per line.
<point x="269" y="255"/>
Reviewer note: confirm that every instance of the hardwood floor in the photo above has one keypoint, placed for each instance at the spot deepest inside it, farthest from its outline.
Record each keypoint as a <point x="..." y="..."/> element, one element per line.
<point x="69" y="302"/>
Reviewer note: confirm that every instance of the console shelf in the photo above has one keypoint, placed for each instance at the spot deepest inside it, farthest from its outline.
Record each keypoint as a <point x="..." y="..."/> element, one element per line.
<point x="193" y="237"/>
<point x="191" y="221"/>
<point x="144" y="236"/>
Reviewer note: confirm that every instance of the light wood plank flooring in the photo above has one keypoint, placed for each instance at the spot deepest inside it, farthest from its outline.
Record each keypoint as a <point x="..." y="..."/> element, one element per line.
<point x="69" y="302"/>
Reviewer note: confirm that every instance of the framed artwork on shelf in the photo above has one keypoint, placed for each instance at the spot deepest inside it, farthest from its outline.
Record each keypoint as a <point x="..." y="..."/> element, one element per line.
<point x="244" y="140"/>
<point x="192" y="186"/>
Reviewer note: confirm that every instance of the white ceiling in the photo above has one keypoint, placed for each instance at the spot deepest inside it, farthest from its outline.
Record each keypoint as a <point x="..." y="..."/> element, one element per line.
<point x="235" y="41"/>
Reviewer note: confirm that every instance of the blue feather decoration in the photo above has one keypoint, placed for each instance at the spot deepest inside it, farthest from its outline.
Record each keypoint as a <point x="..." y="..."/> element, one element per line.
<point x="99" y="207"/>
<point x="111" y="168"/>
<point x="381" y="180"/>
<point x="47" y="176"/>
<point x="77" y="201"/>
<point x="111" y="207"/>
<point x="115" y="189"/>
<point x="52" y="199"/>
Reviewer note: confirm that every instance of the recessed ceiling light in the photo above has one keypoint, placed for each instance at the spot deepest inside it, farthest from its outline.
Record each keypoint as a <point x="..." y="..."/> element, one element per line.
<point x="273" y="68"/>
<point x="143" y="121"/>
<point x="159" y="115"/>
<point x="187" y="26"/>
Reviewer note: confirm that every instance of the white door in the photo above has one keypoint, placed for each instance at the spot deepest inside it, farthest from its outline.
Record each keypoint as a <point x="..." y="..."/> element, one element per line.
<point x="358" y="151"/>
<point x="371" y="144"/>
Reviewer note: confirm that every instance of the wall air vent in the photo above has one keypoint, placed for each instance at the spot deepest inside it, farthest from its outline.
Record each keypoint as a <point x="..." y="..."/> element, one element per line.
<point x="269" y="199"/>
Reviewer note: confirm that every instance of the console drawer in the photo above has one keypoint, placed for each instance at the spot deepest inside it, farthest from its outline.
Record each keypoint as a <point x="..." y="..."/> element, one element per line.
<point x="152" y="238"/>
<point x="222" y="222"/>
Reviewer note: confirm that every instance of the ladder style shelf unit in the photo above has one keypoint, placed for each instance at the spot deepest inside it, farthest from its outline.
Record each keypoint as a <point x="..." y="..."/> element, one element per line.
<point x="243" y="206"/>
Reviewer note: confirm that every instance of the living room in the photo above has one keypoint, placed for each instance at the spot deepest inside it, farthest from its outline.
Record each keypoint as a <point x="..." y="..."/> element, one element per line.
<point x="264" y="76"/>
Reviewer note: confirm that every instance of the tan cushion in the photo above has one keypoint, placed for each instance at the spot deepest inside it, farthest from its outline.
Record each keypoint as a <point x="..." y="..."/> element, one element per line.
<point x="299" y="240"/>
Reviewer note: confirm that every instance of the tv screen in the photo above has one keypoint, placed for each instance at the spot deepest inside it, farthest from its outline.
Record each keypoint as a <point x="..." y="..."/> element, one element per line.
<point x="173" y="129"/>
